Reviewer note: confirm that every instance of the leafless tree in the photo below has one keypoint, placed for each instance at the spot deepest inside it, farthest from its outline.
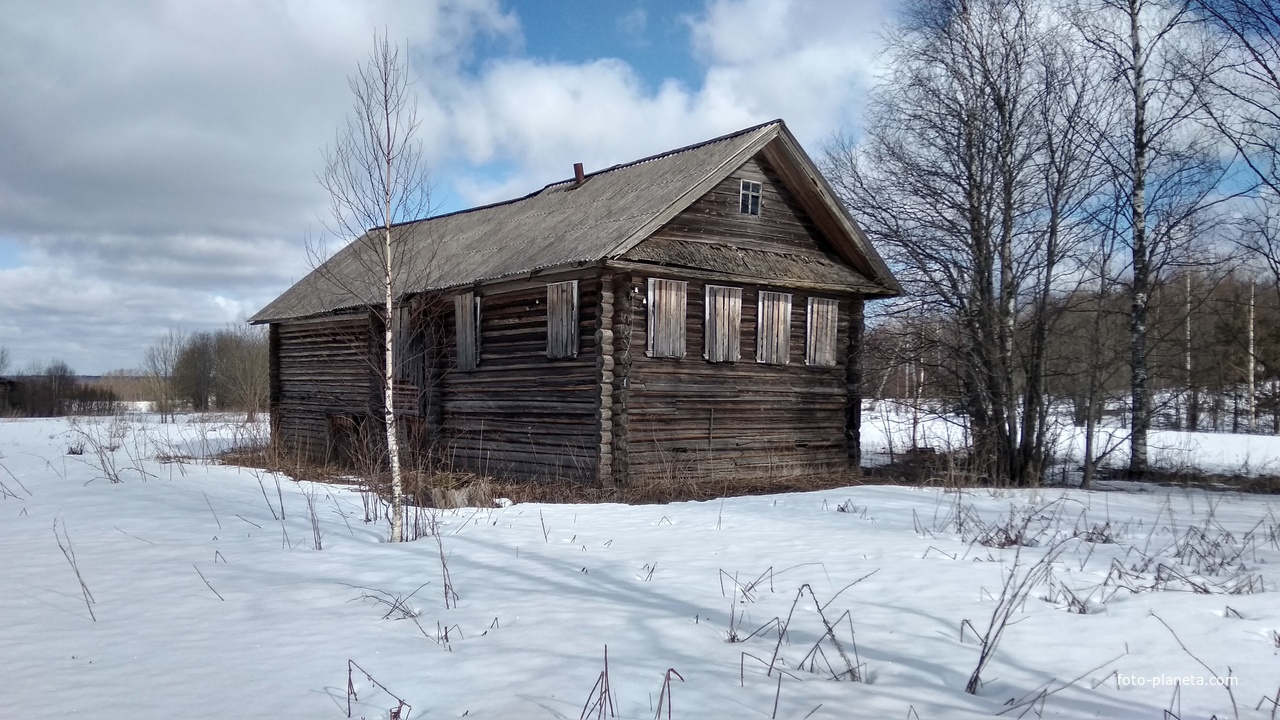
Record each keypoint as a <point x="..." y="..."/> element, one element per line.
<point x="4" y="360"/>
<point x="376" y="176"/>
<point x="1166" y="170"/>
<point x="241" y="368"/>
<point x="194" y="372"/>
<point x="974" y="172"/>
<point x="160" y="363"/>
<point x="1241" y="98"/>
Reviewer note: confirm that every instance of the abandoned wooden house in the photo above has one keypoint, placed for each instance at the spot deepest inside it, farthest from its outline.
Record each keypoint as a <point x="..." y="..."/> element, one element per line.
<point x="699" y="311"/>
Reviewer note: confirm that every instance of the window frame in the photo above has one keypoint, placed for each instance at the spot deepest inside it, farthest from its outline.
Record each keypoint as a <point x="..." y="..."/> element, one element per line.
<point x="563" y="339"/>
<point x="765" y="330"/>
<point x="827" y="312"/>
<point x="713" y="349"/>
<point x="750" y="197"/>
<point x="656" y="303"/>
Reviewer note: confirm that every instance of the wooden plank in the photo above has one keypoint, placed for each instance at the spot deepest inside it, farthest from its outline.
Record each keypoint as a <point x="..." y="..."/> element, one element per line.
<point x="667" y="301"/>
<point x="820" y="332"/>
<point x="466" y="308"/>
<point x="562" y="319"/>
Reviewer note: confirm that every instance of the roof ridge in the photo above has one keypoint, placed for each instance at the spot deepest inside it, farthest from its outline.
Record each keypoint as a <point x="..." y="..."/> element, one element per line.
<point x="677" y="151"/>
<point x="612" y="168"/>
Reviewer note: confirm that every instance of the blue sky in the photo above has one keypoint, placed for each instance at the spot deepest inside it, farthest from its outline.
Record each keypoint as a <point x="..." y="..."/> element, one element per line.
<point x="653" y="37"/>
<point x="159" y="158"/>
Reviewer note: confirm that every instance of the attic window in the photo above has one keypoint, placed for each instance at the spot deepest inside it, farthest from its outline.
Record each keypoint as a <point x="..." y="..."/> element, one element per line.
<point x="750" y="198"/>
<point x="562" y="319"/>
<point x="773" y="328"/>
<point x="723" y="324"/>
<point x="667" y="300"/>
<point x="466" y="313"/>
<point x="820" y="341"/>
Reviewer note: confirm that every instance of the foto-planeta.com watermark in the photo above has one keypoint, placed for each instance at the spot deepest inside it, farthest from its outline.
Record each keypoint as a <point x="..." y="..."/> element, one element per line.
<point x="1172" y="680"/>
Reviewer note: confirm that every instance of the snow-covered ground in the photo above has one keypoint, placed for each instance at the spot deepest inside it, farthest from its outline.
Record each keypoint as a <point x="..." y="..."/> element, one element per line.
<point x="192" y="590"/>
<point x="888" y="428"/>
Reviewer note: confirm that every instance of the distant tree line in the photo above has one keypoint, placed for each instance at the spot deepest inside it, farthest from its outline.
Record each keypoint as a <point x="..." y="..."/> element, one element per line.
<point x="49" y="390"/>
<point x="224" y="370"/>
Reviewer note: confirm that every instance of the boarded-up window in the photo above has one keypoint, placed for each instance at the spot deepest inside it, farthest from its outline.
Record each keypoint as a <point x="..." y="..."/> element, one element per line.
<point x="773" y="328"/>
<point x="820" y="334"/>
<point x="723" y="324"/>
<point x="562" y="319"/>
<point x="406" y="346"/>
<point x="667" y="300"/>
<point x="466" y="313"/>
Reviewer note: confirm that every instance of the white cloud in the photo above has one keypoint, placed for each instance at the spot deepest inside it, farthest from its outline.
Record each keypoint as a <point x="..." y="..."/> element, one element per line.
<point x="807" y="63"/>
<point x="160" y="159"/>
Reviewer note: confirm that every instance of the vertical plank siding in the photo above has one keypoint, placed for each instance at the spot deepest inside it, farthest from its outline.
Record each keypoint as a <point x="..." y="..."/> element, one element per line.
<point x="722" y="322"/>
<point x="465" y="311"/>
<point x="666" y="323"/>
<point x="773" y="328"/>
<point x="562" y="319"/>
<point x="820" y="332"/>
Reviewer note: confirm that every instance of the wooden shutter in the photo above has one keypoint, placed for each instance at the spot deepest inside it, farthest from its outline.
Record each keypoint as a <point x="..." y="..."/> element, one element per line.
<point x="820" y="334"/>
<point x="404" y="351"/>
<point x="723" y="324"/>
<point x="667" y="300"/>
<point x="466" y="313"/>
<point x="562" y="319"/>
<point x="773" y="328"/>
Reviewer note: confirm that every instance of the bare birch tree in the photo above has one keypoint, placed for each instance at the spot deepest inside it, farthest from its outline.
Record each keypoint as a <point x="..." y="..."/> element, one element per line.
<point x="1166" y="169"/>
<point x="376" y="176"/>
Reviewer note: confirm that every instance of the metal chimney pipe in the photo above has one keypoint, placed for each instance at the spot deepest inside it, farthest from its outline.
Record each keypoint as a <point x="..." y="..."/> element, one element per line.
<point x="579" y="176"/>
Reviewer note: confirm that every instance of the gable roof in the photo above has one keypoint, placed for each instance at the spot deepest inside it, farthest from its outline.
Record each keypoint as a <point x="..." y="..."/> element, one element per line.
<point x="567" y="224"/>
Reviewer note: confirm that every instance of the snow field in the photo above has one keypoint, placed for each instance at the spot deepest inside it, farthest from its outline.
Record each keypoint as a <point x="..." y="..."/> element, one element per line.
<point x="890" y="427"/>
<point x="542" y="589"/>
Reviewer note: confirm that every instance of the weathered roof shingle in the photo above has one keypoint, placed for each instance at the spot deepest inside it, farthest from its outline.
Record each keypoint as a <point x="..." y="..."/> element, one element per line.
<point x="561" y="225"/>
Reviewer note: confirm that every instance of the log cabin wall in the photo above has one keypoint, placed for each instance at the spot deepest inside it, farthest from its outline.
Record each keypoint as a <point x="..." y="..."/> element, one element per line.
<point x="320" y="382"/>
<point x="687" y="417"/>
<point x="684" y="416"/>
<point x="522" y="414"/>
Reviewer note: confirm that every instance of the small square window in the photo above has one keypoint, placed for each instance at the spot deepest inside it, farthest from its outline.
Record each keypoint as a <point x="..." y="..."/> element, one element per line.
<point x="750" y="198"/>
